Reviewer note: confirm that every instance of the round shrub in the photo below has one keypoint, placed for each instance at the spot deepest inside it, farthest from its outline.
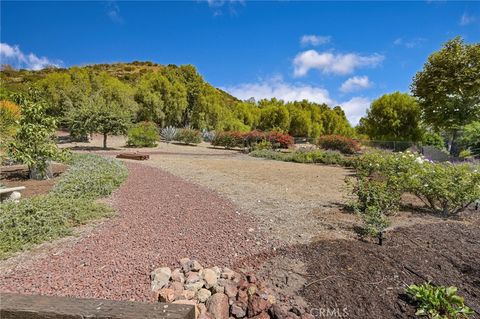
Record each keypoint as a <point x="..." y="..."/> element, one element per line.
<point x="339" y="143"/>
<point x="188" y="136"/>
<point x="143" y="134"/>
<point x="228" y="139"/>
<point x="279" y="140"/>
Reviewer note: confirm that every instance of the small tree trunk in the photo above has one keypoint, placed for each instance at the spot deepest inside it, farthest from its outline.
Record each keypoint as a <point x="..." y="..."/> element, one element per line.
<point x="104" y="141"/>
<point x="452" y="141"/>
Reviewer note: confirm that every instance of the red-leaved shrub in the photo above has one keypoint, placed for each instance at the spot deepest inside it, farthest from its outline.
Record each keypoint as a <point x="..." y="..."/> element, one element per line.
<point x="278" y="139"/>
<point x="253" y="137"/>
<point x="339" y="143"/>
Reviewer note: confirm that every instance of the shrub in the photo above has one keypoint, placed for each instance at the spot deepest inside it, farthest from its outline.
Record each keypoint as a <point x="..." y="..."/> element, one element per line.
<point x="91" y="176"/>
<point x="188" y="136"/>
<point x="263" y="145"/>
<point x="374" y="201"/>
<point x="253" y="137"/>
<point x="301" y="156"/>
<point x="228" y="139"/>
<point x="208" y="136"/>
<point x="34" y="144"/>
<point x="438" y="302"/>
<point x="37" y="219"/>
<point x="340" y="143"/>
<point x="143" y="134"/>
<point x="169" y="133"/>
<point x="443" y="187"/>
<point x="279" y="140"/>
<point x="9" y="118"/>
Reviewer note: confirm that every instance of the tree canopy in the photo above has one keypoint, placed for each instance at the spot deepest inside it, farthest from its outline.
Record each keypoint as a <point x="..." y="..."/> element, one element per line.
<point x="448" y="87"/>
<point x="393" y="117"/>
<point x="169" y="96"/>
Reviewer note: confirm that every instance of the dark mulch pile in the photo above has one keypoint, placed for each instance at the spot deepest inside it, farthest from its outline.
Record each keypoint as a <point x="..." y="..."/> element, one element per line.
<point x="369" y="280"/>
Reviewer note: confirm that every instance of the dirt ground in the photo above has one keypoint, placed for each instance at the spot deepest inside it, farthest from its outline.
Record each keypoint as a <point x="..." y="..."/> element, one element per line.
<point x="19" y="177"/>
<point x="322" y="263"/>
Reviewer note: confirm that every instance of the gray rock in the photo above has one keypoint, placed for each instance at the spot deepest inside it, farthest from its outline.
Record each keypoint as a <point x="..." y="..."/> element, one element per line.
<point x="203" y="294"/>
<point x="195" y="286"/>
<point x="160" y="278"/>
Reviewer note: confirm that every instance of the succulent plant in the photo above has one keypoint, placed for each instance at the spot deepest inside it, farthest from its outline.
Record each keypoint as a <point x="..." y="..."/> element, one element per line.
<point x="168" y="133"/>
<point x="208" y="136"/>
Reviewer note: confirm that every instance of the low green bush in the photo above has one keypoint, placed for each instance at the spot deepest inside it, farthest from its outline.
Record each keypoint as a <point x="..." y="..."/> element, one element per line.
<point x="438" y="302"/>
<point x="302" y="156"/>
<point x="188" y="136"/>
<point x="71" y="203"/>
<point x="91" y="176"/>
<point x="228" y="139"/>
<point x="143" y="134"/>
<point x="263" y="145"/>
<point x="43" y="218"/>
<point x="444" y="188"/>
<point x="374" y="201"/>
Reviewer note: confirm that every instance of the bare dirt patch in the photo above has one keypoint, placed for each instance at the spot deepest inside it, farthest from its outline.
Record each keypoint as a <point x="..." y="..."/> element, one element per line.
<point x="19" y="177"/>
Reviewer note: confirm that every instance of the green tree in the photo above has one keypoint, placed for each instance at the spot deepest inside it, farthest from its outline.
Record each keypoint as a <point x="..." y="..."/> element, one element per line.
<point x="274" y="118"/>
<point x="471" y="137"/>
<point x="448" y="87"/>
<point x="34" y="143"/>
<point x="393" y="117"/>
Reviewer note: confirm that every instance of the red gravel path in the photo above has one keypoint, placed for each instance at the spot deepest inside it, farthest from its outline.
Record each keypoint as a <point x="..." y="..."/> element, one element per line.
<point x="161" y="218"/>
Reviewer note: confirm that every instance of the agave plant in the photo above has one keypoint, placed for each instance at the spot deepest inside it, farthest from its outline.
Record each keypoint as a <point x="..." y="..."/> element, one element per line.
<point x="168" y="133"/>
<point x="208" y="136"/>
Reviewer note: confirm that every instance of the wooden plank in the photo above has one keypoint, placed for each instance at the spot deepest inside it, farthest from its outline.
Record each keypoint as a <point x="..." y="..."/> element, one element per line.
<point x="45" y="307"/>
<point x="11" y="189"/>
<point x="134" y="156"/>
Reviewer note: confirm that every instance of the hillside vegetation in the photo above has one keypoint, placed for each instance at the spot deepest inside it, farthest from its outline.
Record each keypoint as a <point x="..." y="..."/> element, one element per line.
<point x="169" y="96"/>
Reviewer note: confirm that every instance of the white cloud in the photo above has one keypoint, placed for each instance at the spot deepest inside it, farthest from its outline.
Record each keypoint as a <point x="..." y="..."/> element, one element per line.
<point x="14" y="56"/>
<point x="276" y="87"/>
<point x="314" y="40"/>
<point x="355" y="83"/>
<point x="409" y="43"/>
<point x="466" y="19"/>
<point x="113" y="12"/>
<point x="355" y="108"/>
<point x="331" y="63"/>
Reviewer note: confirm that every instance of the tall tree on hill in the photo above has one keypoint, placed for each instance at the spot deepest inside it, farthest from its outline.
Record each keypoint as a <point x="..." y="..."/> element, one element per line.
<point x="448" y="87"/>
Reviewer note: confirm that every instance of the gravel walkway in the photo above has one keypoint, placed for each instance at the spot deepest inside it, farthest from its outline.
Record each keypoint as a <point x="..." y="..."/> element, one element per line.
<point x="161" y="218"/>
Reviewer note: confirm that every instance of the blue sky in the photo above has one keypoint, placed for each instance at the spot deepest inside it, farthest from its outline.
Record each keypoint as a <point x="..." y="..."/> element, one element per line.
<point x="345" y="53"/>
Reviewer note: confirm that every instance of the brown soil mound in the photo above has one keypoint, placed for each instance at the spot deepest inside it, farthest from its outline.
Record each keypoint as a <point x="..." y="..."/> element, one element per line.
<point x="363" y="280"/>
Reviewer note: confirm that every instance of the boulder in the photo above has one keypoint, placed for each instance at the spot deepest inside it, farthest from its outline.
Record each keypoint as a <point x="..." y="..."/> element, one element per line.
<point x="160" y="278"/>
<point x="166" y="295"/>
<point x="231" y="290"/>
<point x="218" y="306"/>
<point x="195" y="266"/>
<point x="195" y="286"/>
<point x="178" y="276"/>
<point x="210" y="277"/>
<point x="185" y="264"/>
<point x="256" y="305"/>
<point x="203" y="294"/>
<point x="192" y="277"/>
<point x="238" y="309"/>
